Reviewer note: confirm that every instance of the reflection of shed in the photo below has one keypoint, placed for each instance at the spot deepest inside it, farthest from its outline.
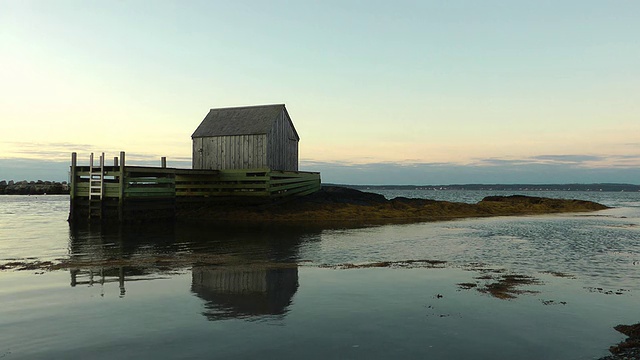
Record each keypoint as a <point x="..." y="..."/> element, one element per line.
<point x="250" y="137"/>
<point x="244" y="292"/>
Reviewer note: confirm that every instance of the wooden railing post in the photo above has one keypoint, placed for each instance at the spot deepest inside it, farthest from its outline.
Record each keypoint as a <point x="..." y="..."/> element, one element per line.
<point x="121" y="187"/>
<point x="72" y="185"/>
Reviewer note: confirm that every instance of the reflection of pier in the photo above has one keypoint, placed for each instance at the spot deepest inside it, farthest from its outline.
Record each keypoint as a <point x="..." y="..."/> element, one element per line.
<point x="100" y="255"/>
<point x="238" y="271"/>
<point x="244" y="292"/>
<point x="99" y="276"/>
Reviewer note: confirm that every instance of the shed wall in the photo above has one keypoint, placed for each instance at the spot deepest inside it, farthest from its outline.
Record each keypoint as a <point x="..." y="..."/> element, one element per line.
<point x="231" y="281"/>
<point x="230" y="152"/>
<point x="282" y="146"/>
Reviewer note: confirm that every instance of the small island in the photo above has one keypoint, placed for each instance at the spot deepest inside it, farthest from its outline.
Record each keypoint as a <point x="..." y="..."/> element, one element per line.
<point x="341" y="204"/>
<point x="245" y="168"/>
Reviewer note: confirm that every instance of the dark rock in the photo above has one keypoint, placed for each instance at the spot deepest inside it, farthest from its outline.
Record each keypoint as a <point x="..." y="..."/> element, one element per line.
<point x="33" y="188"/>
<point x="629" y="348"/>
<point x="334" y="203"/>
<point x="342" y="195"/>
<point x="515" y="198"/>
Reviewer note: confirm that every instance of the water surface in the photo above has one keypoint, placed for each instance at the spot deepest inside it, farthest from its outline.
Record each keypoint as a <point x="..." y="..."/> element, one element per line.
<point x="185" y="291"/>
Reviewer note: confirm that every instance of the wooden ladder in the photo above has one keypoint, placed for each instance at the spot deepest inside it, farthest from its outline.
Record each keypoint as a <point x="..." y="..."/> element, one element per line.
<point x="96" y="188"/>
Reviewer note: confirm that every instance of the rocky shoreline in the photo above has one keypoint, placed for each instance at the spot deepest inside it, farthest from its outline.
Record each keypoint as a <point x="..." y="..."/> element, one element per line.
<point x="339" y="204"/>
<point x="629" y="349"/>
<point x="33" y="187"/>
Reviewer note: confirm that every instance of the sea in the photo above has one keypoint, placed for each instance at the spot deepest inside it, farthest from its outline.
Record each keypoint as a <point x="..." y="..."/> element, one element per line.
<point x="513" y="287"/>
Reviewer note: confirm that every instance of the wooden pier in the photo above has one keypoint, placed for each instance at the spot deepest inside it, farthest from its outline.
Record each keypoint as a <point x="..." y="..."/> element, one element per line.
<point x="119" y="192"/>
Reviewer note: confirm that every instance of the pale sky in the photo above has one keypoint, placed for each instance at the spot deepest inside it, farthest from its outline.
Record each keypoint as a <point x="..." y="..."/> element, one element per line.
<point x="496" y="86"/>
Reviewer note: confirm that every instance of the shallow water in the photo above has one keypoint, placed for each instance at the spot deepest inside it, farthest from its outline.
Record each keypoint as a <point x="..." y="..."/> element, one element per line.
<point x="184" y="291"/>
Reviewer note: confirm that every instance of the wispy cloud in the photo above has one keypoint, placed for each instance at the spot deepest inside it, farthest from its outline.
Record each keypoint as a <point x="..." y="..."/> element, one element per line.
<point x="573" y="160"/>
<point x="568" y="159"/>
<point x="45" y="150"/>
<point x="535" y="169"/>
<point x="500" y="162"/>
<point x="58" y="151"/>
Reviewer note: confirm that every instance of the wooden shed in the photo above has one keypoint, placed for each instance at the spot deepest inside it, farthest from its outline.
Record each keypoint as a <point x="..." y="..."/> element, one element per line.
<point x="250" y="137"/>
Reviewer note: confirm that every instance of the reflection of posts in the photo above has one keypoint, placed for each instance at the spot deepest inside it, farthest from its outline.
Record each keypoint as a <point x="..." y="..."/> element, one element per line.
<point x="86" y="277"/>
<point x="121" y="281"/>
<point x="242" y="292"/>
<point x="74" y="277"/>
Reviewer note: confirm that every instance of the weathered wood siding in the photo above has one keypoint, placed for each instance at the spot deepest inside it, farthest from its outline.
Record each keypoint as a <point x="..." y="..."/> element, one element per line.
<point x="243" y="280"/>
<point x="230" y="152"/>
<point x="282" y="145"/>
<point x="231" y="280"/>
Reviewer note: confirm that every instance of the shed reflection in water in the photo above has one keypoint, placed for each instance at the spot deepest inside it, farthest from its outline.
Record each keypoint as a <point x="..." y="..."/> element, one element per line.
<point x="240" y="272"/>
<point x="245" y="292"/>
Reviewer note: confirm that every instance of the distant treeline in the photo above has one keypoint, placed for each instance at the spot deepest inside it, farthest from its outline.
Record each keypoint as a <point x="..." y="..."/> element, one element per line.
<point x="33" y="187"/>
<point x="507" y="187"/>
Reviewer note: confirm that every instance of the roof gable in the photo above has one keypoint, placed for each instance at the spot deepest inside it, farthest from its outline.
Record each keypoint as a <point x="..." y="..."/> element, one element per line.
<point x="247" y="120"/>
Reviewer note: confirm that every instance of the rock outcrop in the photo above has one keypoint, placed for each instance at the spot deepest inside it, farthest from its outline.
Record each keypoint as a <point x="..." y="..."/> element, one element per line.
<point x="339" y="204"/>
<point x="33" y="187"/>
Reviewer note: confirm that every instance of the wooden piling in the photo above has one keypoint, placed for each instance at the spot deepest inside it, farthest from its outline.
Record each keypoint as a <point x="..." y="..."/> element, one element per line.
<point x="121" y="187"/>
<point x="72" y="185"/>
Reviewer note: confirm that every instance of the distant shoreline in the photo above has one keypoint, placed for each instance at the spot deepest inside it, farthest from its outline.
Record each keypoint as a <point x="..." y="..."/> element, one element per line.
<point x="41" y="187"/>
<point x="33" y="187"/>
<point x="611" y="187"/>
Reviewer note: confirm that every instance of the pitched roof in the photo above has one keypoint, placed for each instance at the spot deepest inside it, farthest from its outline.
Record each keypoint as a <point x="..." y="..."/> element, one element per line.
<point x="246" y="120"/>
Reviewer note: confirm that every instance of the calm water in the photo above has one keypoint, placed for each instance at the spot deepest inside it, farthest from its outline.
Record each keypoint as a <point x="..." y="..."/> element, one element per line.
<point x="176" y="291"/>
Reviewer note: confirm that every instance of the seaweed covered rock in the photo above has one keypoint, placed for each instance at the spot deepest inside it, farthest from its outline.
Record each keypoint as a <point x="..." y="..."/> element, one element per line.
<point x="532" y="200"/>
<point x="630" y="347"/>
<point x="340" y="204"/>
<point x="342" y="195"/>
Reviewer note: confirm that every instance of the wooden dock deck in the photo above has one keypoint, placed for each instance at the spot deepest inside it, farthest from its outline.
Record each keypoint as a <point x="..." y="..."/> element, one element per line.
<point x="124" y="193"/>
